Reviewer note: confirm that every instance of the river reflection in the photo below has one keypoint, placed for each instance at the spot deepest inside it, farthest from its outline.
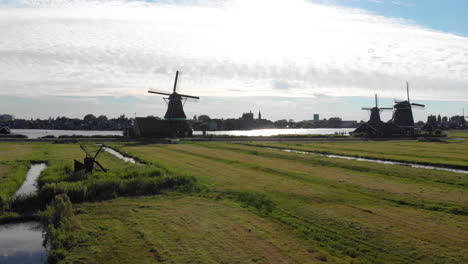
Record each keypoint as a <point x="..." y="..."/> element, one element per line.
<point x="22" y="243"/>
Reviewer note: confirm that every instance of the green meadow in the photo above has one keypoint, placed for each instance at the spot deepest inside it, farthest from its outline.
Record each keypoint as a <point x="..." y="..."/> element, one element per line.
<point x="243" y="203"/>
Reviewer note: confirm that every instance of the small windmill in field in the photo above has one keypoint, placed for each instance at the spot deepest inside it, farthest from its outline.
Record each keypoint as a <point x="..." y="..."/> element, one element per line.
<point x="89" y="161"/>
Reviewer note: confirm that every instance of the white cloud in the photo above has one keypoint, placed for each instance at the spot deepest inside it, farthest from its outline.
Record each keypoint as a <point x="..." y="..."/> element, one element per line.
<point x="224" y="48"/>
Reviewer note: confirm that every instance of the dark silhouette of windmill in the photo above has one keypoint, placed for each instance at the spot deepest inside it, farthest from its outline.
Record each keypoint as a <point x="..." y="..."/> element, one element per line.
<point x="403" y="113"/>
<point x="88" y="164"/>
<point x="375" y="111"/>
<point x="175" y="106"/>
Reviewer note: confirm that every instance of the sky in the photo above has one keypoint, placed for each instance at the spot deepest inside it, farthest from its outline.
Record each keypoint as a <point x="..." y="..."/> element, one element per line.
<point x="286" y="58"/>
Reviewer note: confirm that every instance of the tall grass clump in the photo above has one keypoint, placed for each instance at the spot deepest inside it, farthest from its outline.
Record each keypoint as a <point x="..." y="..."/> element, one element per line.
<point x="109" y="188"/>
<point x="55" y="173"/>
<point x="63" y="227"/>
<point x="257" y="200"/>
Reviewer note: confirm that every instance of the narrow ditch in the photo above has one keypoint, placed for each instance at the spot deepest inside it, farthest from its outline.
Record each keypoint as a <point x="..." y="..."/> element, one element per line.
<point x="401" y="163"/>
<point x="30" y="184"/>
<point x="24" y="242"/>
<point x="120" y="155"/>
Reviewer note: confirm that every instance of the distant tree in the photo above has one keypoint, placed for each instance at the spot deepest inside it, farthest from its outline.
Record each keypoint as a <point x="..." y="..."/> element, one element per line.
<point x="102" y="118"/>
<point x="432" y="120"/>
<point x="281" y="123"/>
<point x="89" y="117"/>
<point x="204" y="118"/>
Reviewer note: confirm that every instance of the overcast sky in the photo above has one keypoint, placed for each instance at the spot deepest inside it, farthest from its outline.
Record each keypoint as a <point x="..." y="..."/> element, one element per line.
<point x="287" y="58"/>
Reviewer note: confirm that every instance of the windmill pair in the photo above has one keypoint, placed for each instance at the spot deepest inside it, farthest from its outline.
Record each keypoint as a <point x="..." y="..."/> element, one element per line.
<point x="402" y="115"/>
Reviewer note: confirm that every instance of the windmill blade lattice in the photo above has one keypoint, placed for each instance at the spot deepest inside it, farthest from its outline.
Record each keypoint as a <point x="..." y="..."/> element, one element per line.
<point x="88" y="164"/>
<point x="154" y="91"/>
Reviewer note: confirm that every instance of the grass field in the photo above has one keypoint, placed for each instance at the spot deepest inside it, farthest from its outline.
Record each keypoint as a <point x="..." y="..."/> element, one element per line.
<point x="257" y="205"/>
<point x="353" y="210"/>
<point x="181" y="229"/>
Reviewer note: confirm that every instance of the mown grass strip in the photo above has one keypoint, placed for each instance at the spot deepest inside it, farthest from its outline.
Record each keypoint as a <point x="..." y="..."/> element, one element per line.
<point x="346" y="187"/>
<point x="442" y="157"/>
<point x="419" y="175"/>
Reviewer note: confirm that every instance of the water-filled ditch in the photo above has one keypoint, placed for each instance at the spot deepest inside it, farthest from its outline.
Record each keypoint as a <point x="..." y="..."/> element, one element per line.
<point x="409" y="164"/>
<point x="24" y="242"/>
<point x="120" y="155"/>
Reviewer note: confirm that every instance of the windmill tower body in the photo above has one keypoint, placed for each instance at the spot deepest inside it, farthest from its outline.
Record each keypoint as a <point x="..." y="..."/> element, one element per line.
<point x="375" y="115"/>
<point x="403" y="114"/>
<point x="175" y="109"/>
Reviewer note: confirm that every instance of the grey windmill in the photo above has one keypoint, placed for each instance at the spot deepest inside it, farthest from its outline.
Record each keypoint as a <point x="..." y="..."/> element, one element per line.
<point x="175" y="102"/>
<point x="403" y="114"/>
<point x="375" y="111"/>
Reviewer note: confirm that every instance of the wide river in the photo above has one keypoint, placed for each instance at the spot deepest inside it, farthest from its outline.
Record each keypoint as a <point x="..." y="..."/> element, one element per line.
<point x="37" y="133"/>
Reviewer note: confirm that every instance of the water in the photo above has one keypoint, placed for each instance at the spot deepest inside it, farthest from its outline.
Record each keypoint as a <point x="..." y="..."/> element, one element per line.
<point x="374" y="160"/>
<point x="276" y="132"/>
<point x="29" y="185"/>
<point x="120" y="156"/>
<point x="22" y="243"/>
<point x="38" y="133"/>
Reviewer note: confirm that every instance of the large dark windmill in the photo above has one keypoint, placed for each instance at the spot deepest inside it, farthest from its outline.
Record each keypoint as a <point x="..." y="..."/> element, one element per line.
<point x="375" y="111"/>
<point x="403" y="113"/>
<point x="175" y="106"/>
<point x="175" y="121"/>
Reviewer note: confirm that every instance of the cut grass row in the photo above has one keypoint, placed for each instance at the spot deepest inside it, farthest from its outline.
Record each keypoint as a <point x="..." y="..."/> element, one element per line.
<point x="330" y="200"/>
<point x="452" y="153"/>
<point x="181" y="229"/>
